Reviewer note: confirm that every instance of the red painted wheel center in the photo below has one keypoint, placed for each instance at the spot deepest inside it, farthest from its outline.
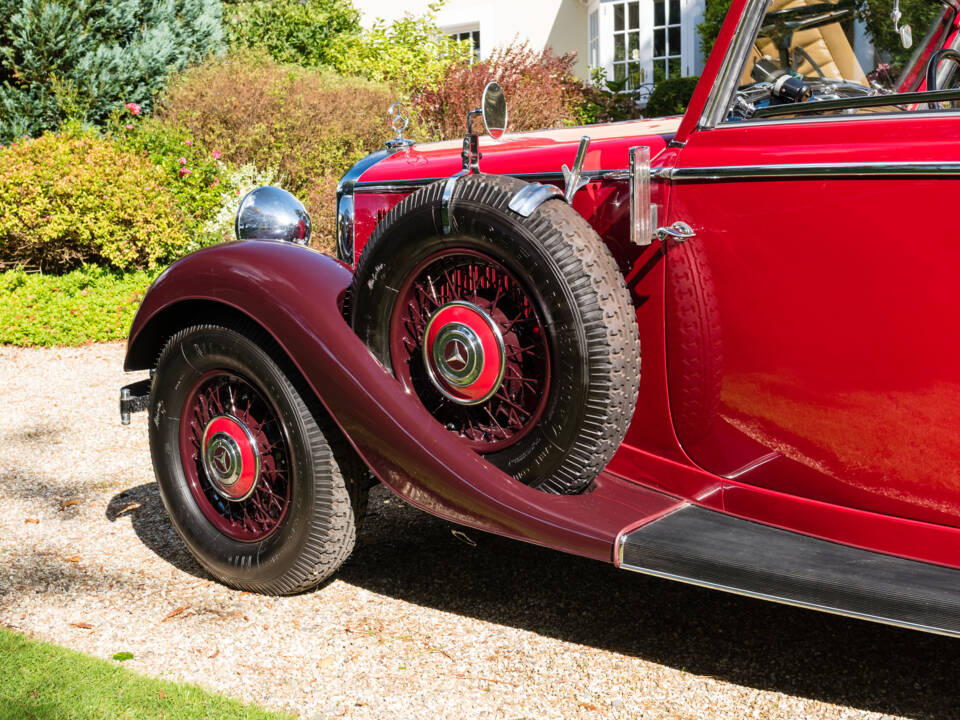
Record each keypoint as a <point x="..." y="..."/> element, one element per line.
<point x="235" y="456"/>
<point x="230" y="457"/>
<point x="467" y="337"/>
<point x="463" y="353"/>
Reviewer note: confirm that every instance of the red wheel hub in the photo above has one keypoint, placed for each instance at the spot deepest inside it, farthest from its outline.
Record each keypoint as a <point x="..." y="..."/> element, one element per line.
<point x="235" y="456"/>
<point x="464" y="354"/>
<point x="230" y="457"/>
<point x="467" y="337"/>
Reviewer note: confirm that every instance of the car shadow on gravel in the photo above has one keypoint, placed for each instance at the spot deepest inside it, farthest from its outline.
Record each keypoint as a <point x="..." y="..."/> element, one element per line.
<point x="152" y="526"/>
<point x="406" y="554"/>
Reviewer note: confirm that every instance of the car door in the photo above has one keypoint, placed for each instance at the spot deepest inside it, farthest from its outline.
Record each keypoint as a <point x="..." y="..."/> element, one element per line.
<point x="812" y="320"/>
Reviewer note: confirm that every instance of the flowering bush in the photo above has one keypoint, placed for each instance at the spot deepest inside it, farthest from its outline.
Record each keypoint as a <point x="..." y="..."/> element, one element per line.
<point x="68" y="199"/>
<point x="540" y="87"/>
<point x="309" y="125"/>
<point x="238" y="182"/>
<point x="193" y="174"/>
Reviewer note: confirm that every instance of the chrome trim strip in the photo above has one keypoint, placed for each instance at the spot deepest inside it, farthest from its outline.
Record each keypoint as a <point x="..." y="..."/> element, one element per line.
<point x="814" y="170"/>
<point x="727" y="79"/>
<point x="406" y="186"/>
<point x="898" y="115"/>
<point x="624" y="532"/>
<point x="785" y="601"/>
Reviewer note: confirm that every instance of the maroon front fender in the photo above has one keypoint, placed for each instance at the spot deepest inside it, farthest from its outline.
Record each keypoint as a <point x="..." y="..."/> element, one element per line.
<point x="293" y="293"/>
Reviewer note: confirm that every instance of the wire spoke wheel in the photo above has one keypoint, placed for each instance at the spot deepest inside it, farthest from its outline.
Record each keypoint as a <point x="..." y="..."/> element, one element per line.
<point x="506" y="410"/>
<point x="517" y="333"/>
<point x="235" y="457"/>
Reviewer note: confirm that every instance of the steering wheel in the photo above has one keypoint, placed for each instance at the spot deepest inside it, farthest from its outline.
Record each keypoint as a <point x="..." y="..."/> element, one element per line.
<point x="933" y="64"/>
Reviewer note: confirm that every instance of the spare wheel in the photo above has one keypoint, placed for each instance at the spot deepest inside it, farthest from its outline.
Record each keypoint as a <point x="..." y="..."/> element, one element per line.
<point x="517" y="334"/>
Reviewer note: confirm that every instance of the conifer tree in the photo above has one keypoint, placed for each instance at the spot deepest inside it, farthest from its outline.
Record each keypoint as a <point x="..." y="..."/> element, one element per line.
<point x="81" y="59"/>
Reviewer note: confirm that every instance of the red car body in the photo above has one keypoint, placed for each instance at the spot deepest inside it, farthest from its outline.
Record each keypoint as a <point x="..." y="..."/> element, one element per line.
<point x="823" y="271"/>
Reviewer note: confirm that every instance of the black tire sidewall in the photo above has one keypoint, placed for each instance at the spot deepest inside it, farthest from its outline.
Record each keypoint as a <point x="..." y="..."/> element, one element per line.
<point x="190" y="355"/>
<point x="514" y="244"/>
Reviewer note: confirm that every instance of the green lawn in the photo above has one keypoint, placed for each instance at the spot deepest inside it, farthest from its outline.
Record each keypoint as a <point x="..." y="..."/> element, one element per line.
<point x="42" y="681"/>
<point x="91" y="304"/>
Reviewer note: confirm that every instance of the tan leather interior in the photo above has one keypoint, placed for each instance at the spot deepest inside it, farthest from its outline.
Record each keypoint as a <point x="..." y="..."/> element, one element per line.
<point x="827" y="45"/>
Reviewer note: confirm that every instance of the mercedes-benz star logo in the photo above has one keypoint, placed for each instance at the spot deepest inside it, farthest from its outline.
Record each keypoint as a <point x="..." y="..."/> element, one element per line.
<point x="455" y="355"/>
<point x="221" y="460"/>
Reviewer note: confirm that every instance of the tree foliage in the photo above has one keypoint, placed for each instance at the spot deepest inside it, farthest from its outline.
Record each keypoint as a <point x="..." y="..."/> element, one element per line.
<point x="81" y="59"/>
<point x="304" y="32"/>
<point x="411" y="52"/>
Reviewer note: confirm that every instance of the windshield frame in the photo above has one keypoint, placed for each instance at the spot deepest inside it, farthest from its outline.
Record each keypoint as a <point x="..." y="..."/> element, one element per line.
<point x="719" y="105"/>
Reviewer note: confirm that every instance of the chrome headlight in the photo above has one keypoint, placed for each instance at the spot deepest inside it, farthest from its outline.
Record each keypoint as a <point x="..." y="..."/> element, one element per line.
<point x="269" y="213"/>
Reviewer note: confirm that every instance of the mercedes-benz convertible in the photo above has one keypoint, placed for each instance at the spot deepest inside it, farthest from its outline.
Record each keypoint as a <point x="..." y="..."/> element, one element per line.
<point x="718" y="348"/>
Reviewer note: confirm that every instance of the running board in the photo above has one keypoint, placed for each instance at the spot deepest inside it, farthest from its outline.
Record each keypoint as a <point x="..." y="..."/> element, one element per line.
<point x="723" y="552"/>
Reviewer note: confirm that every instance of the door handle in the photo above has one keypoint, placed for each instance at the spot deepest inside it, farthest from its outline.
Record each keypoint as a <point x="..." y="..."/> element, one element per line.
<point x="679" y="232"/>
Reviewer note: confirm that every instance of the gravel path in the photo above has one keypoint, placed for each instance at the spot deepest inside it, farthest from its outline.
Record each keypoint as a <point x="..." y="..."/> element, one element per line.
<point x="418" y="624"/>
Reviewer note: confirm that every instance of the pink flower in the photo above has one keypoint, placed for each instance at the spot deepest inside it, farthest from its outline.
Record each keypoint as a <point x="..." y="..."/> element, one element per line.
<point x="184" y="172"/>
<point x="216" y="154"/>
<point x="183" y="160"/>
<point x="129" y="127"/>
<point x="188" y="142"/>
<point x="133" y="108"/>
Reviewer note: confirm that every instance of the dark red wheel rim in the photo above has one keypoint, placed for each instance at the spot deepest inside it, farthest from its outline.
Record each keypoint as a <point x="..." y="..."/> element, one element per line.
<point x="468" y="276"/>
<point x="244" y="487"/>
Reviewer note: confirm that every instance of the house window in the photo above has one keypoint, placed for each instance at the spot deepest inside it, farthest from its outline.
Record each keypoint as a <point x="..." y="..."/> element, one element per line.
<point x="473" y="36"/>
<point x="666" y="39"/>
<point x="640" y="42"/>
<point x="627" y="65"/>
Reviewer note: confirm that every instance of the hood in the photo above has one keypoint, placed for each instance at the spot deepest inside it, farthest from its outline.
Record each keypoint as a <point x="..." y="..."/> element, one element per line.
<point x="537" y="152"/>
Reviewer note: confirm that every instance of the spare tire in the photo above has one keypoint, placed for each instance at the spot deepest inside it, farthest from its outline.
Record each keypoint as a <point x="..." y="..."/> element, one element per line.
<point x="517" y="333"/>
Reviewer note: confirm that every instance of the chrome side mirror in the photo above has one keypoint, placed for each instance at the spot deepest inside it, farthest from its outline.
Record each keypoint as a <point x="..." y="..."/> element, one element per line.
<point x="494" y="110"/>
<point x="269" y="213"/>
<point x="904" y="31"/>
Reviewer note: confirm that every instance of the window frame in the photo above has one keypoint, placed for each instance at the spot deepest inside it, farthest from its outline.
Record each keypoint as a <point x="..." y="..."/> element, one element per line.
<point x="720" y="100"/>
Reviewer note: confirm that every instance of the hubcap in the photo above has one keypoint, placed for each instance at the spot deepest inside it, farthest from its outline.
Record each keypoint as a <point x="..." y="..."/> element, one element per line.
<point x="230" y="457"/>
<point x="236" y="457"/>
<point x="468" y="339"/>
<point x="464" y="354"/>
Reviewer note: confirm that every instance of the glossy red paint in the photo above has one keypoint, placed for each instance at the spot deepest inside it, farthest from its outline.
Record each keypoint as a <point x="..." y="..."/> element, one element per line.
<point x="543" y="153"/>
<point x="398" y="439"/>
<point x="838" y="380"/>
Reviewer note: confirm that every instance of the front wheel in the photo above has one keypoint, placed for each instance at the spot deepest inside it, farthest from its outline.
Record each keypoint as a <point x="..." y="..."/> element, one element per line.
<point x="257" y="480"/>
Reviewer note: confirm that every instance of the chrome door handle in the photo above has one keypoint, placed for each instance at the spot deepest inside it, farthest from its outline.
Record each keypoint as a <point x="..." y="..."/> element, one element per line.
<point x="679" y="231"/>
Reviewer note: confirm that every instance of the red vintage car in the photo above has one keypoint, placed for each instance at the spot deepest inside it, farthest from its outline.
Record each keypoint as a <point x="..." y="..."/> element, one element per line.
<point x="793" y="431"/>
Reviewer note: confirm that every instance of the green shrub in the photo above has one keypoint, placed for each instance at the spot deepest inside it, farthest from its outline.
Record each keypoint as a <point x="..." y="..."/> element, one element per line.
<point x="603" y="101"/>
<point x="309" y="125"/>
<point x="192" y="172"/>
<point x="69" y="199"/>
<point x="80" y="60"/>
<point x="411" y="52"/>
<point x="670" y="96"/>
<point x="90" y="304"/>
<point x="305" y="32"/>
<point x="540" y="88"/>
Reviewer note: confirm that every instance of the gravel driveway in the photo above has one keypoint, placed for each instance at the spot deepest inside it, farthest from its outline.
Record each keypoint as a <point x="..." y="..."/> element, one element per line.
<point x="418" y="624"/>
